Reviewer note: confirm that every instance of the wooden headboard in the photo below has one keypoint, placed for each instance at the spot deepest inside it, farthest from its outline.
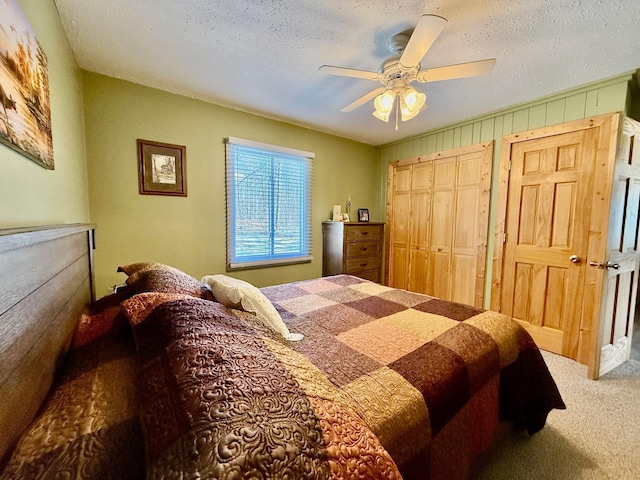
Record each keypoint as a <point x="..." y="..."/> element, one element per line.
<point x="46" y="282"/>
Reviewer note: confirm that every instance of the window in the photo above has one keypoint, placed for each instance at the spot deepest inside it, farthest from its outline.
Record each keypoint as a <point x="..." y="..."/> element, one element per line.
<point x="268" y="204"/>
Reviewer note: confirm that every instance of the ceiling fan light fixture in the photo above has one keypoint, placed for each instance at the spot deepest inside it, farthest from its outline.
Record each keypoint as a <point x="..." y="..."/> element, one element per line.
<point x="413" y="99"/>
<point x="384" y="116"/>
<point x="384" y="104"/>
<point x="407" y="112"/>
<point x="384" y="101"/>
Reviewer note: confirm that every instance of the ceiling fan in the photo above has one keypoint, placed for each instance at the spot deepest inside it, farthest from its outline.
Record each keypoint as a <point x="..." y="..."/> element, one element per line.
<point x="398" y="71"/>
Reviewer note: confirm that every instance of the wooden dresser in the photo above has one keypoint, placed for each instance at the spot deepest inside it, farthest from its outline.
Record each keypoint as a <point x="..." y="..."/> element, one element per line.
<point x="354" y="248"/>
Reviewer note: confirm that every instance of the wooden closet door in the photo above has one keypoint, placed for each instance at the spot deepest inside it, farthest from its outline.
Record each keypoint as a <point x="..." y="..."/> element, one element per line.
<point x="399" y="206"/>
<point x="419" y="223"/>
<point x="437" y="217"/>
<point x="442" y="223"/>
<point x="409" y="222"/>
<point x="469" y="236"/>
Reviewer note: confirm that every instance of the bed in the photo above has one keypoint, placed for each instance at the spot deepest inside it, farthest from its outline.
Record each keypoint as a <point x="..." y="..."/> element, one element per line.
<point x="177" y="377"/>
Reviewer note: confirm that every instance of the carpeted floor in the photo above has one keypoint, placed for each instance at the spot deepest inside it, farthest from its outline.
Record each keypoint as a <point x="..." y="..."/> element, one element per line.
<point x="597" y="437"/>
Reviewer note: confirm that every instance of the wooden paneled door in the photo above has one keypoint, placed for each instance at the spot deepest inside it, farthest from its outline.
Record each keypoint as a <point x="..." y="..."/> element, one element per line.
<point x="623" y="260"/>
<point x="547" y="230"/>
<point x="552" y="235"/>
<point x="437" y="220"/>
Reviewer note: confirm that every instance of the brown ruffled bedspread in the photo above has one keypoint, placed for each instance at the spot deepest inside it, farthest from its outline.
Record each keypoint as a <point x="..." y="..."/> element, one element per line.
<point x="88" y="427"/>
<point x="216" y="402"/>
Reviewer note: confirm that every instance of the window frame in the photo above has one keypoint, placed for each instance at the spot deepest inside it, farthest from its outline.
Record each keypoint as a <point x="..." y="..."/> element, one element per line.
<point x="234" y="262"/>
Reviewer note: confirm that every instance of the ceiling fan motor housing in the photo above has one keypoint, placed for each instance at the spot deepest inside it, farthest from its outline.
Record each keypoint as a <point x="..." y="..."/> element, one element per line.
<point x="392" y="70"/>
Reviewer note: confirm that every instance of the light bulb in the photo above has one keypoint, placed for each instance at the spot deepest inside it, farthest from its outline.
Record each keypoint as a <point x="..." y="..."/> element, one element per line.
<point x="410" y="99"/>
<point x="413" y="99"/>
<point x="384" y="101"/>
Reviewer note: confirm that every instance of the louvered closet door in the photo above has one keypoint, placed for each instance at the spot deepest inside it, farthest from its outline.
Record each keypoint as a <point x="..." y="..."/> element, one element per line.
<point x="437" y="223"/>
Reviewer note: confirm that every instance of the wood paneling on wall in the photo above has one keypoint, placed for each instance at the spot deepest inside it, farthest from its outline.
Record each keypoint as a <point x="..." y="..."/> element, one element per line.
<point x="602" y="97"/>
<point x="611" y="95"/>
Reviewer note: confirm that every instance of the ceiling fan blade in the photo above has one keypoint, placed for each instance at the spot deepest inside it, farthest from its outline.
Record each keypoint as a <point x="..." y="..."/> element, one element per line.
<point x="348" y="72"/>
<point x="423" y="36"/>
<point x="363" y="99"/>
<point x="461" y="70"/>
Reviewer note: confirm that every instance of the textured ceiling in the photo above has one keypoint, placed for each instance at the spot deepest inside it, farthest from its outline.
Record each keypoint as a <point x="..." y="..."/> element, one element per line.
<point x="263" y="56"/>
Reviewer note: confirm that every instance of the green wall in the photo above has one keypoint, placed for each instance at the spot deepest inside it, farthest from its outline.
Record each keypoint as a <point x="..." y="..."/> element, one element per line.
<point x="29" y="194"/>
<point x="96" y="121"/>
<point x="611" y="95"/>
<point x="189" y="233"/>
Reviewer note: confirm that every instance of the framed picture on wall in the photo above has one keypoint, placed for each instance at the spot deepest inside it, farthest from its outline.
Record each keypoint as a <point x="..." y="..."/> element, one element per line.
<point x="162" y="168"/>
<point x="363" y="214"/>
<point x="25" y="110"/>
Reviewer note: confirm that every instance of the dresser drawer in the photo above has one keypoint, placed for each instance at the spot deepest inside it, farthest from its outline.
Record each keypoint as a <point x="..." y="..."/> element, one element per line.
<point x="362" y="249"/>
<point x="359" y="264"/>
<point x="353" y="248"/>
<point x="363" y="232"/>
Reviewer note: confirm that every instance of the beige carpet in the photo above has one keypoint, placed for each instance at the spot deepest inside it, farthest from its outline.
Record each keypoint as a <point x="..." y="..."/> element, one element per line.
<point x="597" y="437"/>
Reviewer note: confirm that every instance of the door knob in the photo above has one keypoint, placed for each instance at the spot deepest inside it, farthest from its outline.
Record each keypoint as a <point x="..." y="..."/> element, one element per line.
<point x="605" y="266"/>
<point x="574" y="259"/>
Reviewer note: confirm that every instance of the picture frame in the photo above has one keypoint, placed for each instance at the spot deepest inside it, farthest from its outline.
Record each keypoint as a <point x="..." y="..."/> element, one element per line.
<point x="162" y="168"/>
<point x="337" y="216"/>
<point x="25" y="106"/>
<point x="363" y="214"/>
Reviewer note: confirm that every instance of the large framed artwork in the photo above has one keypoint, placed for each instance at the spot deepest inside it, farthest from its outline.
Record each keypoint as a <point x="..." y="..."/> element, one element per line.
<point x="25" y="111"/>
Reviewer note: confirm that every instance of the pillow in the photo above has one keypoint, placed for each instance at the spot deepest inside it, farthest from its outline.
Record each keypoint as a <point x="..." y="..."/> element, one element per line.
<point x="235" y="293"/>
<point x="132" y="268"/>
<point x="138" y="307"/>
<point x="101" y="318"/>
<point x="158" y="277"/>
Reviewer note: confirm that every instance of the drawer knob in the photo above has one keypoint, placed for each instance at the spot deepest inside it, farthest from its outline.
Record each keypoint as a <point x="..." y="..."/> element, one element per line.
<point x="364" y="249"/>
<point x="364" y="233"/>
<point x="363" y="264"/>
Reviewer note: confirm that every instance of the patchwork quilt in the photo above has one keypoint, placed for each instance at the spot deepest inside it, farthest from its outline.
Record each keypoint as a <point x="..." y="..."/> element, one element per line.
<point x="384" y="384"/>
<point x="415" y="367"/>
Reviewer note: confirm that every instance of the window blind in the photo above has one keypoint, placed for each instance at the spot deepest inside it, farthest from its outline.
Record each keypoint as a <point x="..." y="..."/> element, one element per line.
<point x="268" y="204"/>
